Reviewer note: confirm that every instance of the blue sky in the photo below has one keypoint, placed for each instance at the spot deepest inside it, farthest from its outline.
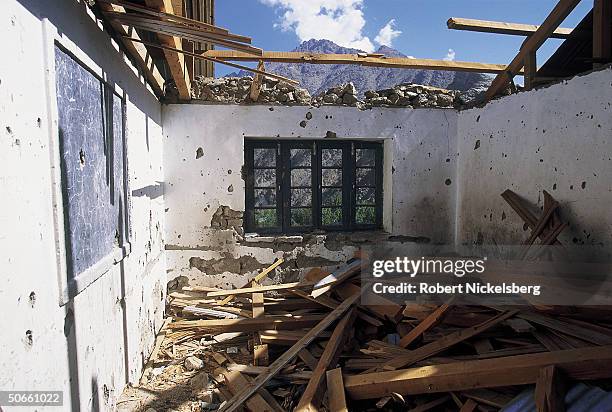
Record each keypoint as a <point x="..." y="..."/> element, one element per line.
<point x="282" y="24"/>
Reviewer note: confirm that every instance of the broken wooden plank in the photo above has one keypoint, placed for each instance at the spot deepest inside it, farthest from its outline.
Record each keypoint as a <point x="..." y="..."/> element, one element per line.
<point x="258" y="278"/>
<point x="176" y="61"/>
<point x="550" y="390"/>
<point x="248" y="325"/>
<point x="533" y="43"/>
<point x="137" y="51"/>
<point x="430" y="321"/>
<point x="501" y="27"/>
<point x="602" y="32"/>
<point x="431" y="404"/>
<point x="570" y="329"/>
<point x="586" y="363"/>
<point x="336" y="278"/>
<point x="292" y="352"/>
<point x="383" y="61"/>
<point x="445" y="342"/>
<point x="257" y="289"/>
<point x="312" y="396"/>
<point x="335" y="391"/>
<point x="235" y="382"/>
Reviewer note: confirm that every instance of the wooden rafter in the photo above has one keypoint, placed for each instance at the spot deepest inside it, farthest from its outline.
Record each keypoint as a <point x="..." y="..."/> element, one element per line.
<point x="501" y="27"/>
<point x="176" y="61"/>
<point x="131" y="41"/>
<point x="358" y="59"/>
<point x="533" y="42"/>
<point x="602" y="31"/>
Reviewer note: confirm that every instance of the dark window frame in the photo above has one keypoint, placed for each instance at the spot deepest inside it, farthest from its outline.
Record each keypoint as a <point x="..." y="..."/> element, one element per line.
<point x="283" y="187"/>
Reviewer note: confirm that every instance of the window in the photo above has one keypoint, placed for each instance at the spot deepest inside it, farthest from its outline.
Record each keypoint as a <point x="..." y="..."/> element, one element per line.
<point x="299" y="186"/>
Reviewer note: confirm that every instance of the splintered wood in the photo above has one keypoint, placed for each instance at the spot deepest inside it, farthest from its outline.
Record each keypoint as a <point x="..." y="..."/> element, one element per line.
<point x="312" y="345"/>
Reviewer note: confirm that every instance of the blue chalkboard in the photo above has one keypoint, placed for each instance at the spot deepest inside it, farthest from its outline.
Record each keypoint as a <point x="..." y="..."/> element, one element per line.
<point x="91" y="141"/>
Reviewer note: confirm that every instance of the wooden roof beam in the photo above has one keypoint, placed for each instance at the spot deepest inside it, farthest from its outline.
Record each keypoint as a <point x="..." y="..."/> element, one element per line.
<point x="532" y="44"/>
<point x="500" y="27"/>
<point x="137" y="50"/>
<point x="357" y="59"/>
<point x="176" y="61"/>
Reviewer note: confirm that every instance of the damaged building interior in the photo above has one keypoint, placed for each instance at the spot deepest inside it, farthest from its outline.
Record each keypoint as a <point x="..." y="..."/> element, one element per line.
<point x="201" y="243"/>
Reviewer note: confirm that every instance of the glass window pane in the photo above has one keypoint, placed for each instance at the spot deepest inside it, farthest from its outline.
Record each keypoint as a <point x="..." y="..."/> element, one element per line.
<point x="331" y="177"/>
<point x="265" y="197"/>
<point x="300" y="157"/>
<point x="331" y="216"/>
<point x="265" y="217"/>
<point x="301" y="197"/>
<point x="365" y="157"/>
<point x="331" y="197"/>
<point x="366" y="196"/>
<point x="265" y="177"/>
<point x="365" y="215"/>
<point x="264" y="157"/>
<point x="331" y="157"/>
<point x="301" y="177"/>
<point x="301" y="217"/>
<point x="365" y="177"/>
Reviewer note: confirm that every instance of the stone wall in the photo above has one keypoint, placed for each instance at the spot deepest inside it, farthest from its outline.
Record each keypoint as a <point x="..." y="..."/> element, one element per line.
<point x="236" y="90"/>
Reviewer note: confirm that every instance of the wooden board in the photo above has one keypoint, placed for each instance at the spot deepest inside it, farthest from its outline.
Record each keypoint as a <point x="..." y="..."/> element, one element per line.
<point x="533" y="42"/>
<point x="501" y="27"/>
<point x="176" y="61"/>
<point x="286" y="357"/>
<point x="313" y="394"/>
<point x="335" y="391"/>
<point x="398" y="62"/>
<point x="248" y="325"/>
<point x="585" y="363"/>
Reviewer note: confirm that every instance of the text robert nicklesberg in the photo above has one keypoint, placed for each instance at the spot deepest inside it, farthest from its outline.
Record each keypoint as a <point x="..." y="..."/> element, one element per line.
<point x="475" y="288"/>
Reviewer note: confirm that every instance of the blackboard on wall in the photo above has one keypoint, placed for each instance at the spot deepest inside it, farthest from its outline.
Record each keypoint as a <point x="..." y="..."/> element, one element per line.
<point x="91" y="140"/>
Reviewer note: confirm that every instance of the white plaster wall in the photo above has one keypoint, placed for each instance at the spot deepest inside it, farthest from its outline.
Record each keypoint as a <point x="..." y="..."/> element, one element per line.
<point x="90" y="347"/>
<point x="558" y="139"/>
<point x="420" y="152"/>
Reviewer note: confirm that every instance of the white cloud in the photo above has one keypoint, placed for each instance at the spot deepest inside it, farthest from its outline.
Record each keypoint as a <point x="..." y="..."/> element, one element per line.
<point x="450" y="56"/>
<point x="387" y="34"/>
<point x="340" y="21"/>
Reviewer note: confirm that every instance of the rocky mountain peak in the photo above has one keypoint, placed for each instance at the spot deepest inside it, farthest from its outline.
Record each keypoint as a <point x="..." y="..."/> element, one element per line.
<point x="317" y="78"/>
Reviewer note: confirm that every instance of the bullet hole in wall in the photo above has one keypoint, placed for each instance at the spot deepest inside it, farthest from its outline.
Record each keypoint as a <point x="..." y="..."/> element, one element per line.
<point x="8" y="129"/>
<point x="32" y="299"/>
<point x="583" y="185"/>
<point x="448" y="182"/>
<point x="303" y="123"/>
<point x="477" y="144"/>
<point x="330" y="135"/>
<point x="230" y="188"/>
<point x="229" y="171"/>
<point x="82" y="157"/>
<point x="308" y="116"/>
<point x="29" y="339"/>
<point x="199" y="152"/>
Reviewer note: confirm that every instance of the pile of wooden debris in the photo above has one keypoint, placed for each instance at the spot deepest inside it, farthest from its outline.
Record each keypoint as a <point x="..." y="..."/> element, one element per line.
<point x="311" y="345"/>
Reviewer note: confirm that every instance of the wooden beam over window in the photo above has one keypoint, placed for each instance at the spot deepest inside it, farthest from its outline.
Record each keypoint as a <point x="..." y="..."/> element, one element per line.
<point x="501" y="27"/>
<point x="358" y="59"/>
<point x="137" y="50"/>
<point x="176" y="61"/>
<point x="532" y="44"/>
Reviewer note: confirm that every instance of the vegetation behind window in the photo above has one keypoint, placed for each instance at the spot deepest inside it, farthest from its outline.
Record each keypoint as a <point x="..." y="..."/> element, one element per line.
<point x="299" y="186"/>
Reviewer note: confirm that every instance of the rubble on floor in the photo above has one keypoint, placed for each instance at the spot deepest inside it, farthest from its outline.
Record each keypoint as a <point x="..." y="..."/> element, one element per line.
<point x="237" y="90"/>
<point x="311" y="345"/>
